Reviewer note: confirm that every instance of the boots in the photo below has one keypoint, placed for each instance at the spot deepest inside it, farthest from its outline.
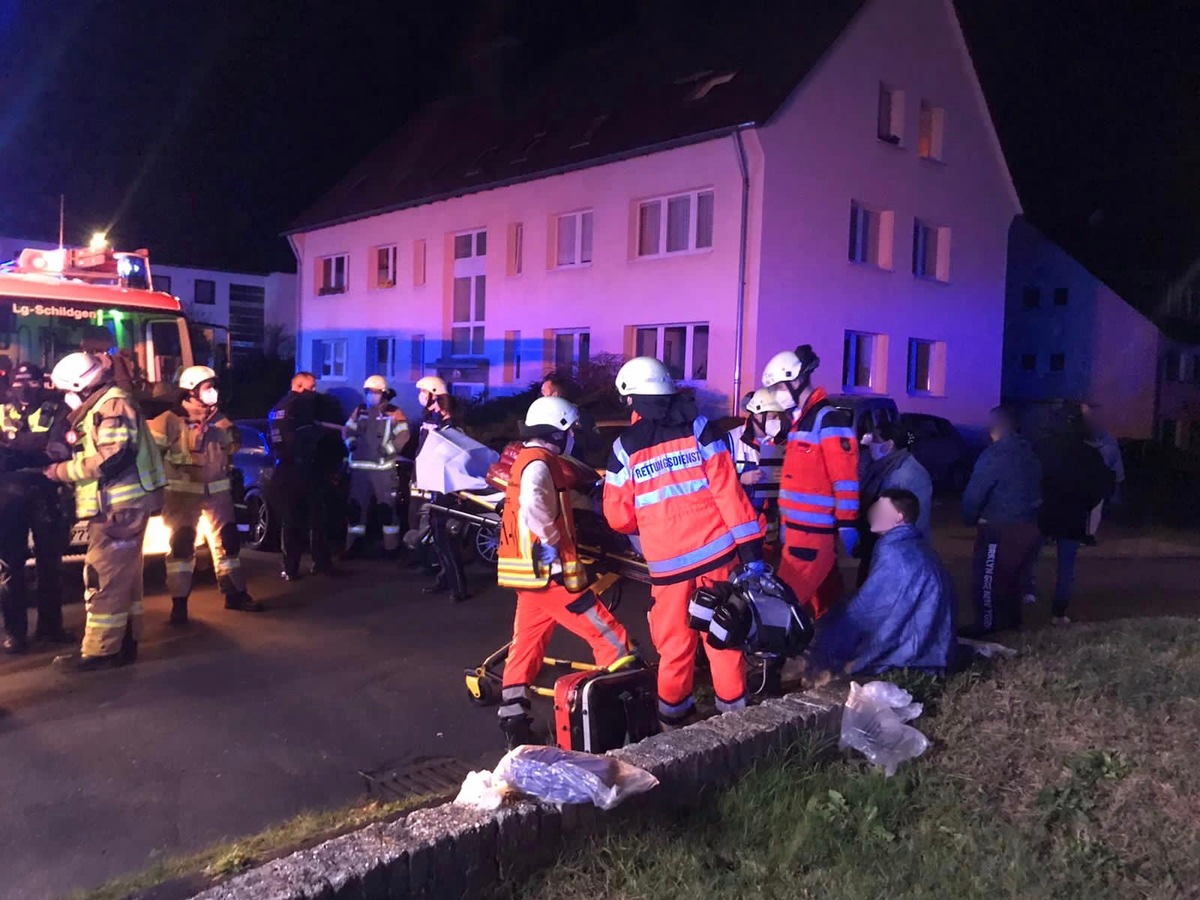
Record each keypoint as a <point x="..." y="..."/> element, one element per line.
<point x="243" y="602"/>
<point x="179" y="611"/>
<point x="517" y="730"/>
<point x="129" y="647"/>
<point x="76" y="663"/>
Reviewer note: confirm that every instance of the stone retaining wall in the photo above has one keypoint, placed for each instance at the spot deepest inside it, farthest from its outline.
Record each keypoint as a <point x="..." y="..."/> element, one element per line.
<point x="453" y="851"/>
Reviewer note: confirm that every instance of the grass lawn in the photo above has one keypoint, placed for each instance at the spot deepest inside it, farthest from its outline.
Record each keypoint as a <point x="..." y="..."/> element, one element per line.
<point x="1071" y="771"/>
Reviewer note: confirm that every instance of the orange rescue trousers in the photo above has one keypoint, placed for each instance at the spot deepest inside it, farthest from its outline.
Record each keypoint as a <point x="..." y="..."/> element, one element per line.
<point x="809" y="567"/>
<point x="538" y="612"/>
<point x="676" y="645"/>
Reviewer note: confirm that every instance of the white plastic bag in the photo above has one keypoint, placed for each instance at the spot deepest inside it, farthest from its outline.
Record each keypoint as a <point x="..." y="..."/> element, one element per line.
<point x="873" y="723"/>
<point x="482" y="790"/>
<point x="567" y="776"/>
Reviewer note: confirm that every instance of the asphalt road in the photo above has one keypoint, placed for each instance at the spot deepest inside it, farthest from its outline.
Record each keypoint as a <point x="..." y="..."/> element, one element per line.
<point x="244" y="720"/>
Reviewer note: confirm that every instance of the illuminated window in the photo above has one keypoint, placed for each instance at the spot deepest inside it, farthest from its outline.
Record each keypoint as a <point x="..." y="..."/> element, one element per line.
<point x="573" y="240"/>
<point x="682" y="348"/>
<point x="329" y="358"/>
<point x="385" y="266"/>
<point x="205" y="292"/>
<point x="516" y="248"/>
<point x="871" y="235"/>
<point x="890" y="121"/>
<point x="681" y="223"/>
<point x="926" y="368"/>
<point x="929" y="138"/>
<point x="331" y="274"/>
<point x="931" y="251"/>
<point x="864" y="362"/>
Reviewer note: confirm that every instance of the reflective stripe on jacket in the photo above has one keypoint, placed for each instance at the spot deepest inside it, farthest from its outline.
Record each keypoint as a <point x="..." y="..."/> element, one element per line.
<point x="819" y="490"/>
<point x="517" y="564"/>
<point x="376" y="436"/>
<point x="197" y="454"/>
<point x="676" y="486"/>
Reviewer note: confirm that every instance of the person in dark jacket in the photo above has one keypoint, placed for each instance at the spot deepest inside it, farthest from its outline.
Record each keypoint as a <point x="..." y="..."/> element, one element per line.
<point x="890" y="465"/>
<point x="1075" y="480"/>
<point x="1003" y="498"/>
<point x="902" y="617"/>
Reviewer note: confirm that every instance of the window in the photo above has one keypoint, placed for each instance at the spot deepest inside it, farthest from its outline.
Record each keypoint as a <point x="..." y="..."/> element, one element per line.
<point x="890" y="125"/>
<point x="926" y="367"/>
<point x="571" y="349"/>
<point x="516" y="248"/>
<point x="469" y="302"/>
<point x="679" y="224"/>
<point x="1168" y="432"/>
<point x="1029" y="362"/>
<point x="162" y="283"/>
<point x="864" y="362"/>
<point x="871" y="235"/>
<point x="1061" y="295"/>
<point x="329" y="358"/>
<point x="331" y="274"/>
<point x="381" y="356"/>
<point x="1032" y="297"/>
<point x="385" y="266"/>
<point x="1058" y="362"/>
<point x="512" y="357"/>
<point x="929" y="140"/>
<point x="684" y="348"/>
<point x="247" y="318"/>
<point x="416" y="357"/>
<point x="931" y="251"/>
<point x="573" y="240"/>
<point x="205" y="292"/>
<point x="418" y="262"/>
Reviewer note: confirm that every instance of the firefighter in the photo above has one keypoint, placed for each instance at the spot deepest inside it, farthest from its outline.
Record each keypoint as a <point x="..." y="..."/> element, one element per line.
<point x="302" y="483"/>
<point x="118" y="477"/>
<point x="198" y="443"/>
<point x="672" y="481"/>
<point x="818" y="495"/>
<point x="537" y="557"/>
<point x="375" y="433"/>
<point x="34" y="435"/>
<point x="760" y="459"/>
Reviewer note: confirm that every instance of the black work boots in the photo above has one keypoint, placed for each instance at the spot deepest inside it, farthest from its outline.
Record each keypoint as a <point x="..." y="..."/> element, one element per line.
<point x="179" y="612"/>
<point x="518" y="730"/>
<point x="243" y="602"/>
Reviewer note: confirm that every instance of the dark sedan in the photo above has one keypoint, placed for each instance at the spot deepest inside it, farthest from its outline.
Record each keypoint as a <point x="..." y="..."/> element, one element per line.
<point x="254" y="465"/>
<point x="940" y="448"/>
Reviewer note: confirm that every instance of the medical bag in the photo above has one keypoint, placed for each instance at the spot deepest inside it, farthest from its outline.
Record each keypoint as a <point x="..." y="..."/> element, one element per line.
<point x="601" y="710"/>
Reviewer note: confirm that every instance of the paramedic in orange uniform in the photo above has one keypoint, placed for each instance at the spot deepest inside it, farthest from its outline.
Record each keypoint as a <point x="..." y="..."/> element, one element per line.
<point x="672" y="481"/>
<point x="818" y="496"/>
<point x="537" y="557"/>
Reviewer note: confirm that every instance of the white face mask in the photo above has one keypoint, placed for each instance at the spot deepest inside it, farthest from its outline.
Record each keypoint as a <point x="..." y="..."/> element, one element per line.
<point x="783" y="396"/>
<point x="209" y="396"/>
<point x="423" y="398"/>
<point x="773" y="427"/>
<point x="73" y="400"/>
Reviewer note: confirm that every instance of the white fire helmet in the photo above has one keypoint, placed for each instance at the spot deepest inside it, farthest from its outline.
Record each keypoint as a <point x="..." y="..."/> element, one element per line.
<point x="433" y="384"/>
<point x="77" y="372"/>
<point x="645" y="376"/>
<point x="763" y="401"/>
<point x="375" y="383"/>
<point x="194" y="376"/>
<point x="552" y="412"/>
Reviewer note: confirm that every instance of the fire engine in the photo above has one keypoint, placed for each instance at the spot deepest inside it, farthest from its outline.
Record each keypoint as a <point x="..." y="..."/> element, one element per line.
<point x="54" y="302"/>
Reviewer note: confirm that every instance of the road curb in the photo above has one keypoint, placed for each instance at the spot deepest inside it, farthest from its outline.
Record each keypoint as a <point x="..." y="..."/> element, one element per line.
<point x="454" y="851"/>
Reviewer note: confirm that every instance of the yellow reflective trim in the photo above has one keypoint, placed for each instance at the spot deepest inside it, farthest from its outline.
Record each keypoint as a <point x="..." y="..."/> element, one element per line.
<point x="107" y="620"/>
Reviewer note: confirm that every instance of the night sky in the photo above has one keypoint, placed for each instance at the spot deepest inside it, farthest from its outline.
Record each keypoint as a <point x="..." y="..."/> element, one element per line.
<point x="201" y="136"/>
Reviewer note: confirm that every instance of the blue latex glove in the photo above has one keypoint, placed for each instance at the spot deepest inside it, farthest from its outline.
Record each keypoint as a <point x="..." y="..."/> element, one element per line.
<point x="547" y="555"/>
<point x="755" y="569"/>
<point x="849" y="538"/>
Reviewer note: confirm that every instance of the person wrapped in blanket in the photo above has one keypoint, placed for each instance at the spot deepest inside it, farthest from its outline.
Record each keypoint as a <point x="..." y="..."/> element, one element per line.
<point x="759" y="460"/>
<point x="902" y="617"/>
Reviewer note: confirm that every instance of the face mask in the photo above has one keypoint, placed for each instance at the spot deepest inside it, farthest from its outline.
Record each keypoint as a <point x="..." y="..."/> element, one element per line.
<point x="878" y="450"/>
<point x="73" y="400"/>
<point x="783" y="396"/>
<point x="373" y="398"/>
<point x="570" y="444"/>
<point x="423" y="399"/>
<point x="773" y="427"/>
<point x="209" y="396"/>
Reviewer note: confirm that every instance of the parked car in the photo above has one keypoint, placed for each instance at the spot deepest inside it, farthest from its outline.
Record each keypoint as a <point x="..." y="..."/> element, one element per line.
<point x="939" y="447"/>
<point x="868" y="411"/>
<point x="253" y="466"/>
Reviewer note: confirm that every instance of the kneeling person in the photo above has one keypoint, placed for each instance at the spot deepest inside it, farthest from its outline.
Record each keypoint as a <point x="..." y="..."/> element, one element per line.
<point x="903" y="615"/>
<point x="537" y="557"/>
<point x="198" y="443"/>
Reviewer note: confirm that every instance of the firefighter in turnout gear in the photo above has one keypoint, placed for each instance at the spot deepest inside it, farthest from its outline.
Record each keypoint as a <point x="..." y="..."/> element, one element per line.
<point x="198" y="443"/>
<point x="538" y="558"/>
<point x="818" y="495"/>
<point x="672" y="481"/>
<point x="34" y="435"/>
<point x="118" y="477"/>
<point x="375" y="434"/>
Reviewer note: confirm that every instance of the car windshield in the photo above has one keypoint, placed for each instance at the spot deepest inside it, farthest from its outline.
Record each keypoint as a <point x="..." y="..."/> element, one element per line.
<point x="153" y="344"/>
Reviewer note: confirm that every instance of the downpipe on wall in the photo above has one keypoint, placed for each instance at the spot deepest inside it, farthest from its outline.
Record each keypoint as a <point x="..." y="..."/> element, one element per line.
<point x="740" y="321"/>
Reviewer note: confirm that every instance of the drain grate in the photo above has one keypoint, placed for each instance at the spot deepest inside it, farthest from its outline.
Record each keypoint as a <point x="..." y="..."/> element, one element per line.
<point x="431" y="776"/>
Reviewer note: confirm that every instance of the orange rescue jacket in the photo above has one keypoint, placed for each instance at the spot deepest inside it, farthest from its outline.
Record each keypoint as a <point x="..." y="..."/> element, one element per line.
<point x="819" y="490"/>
